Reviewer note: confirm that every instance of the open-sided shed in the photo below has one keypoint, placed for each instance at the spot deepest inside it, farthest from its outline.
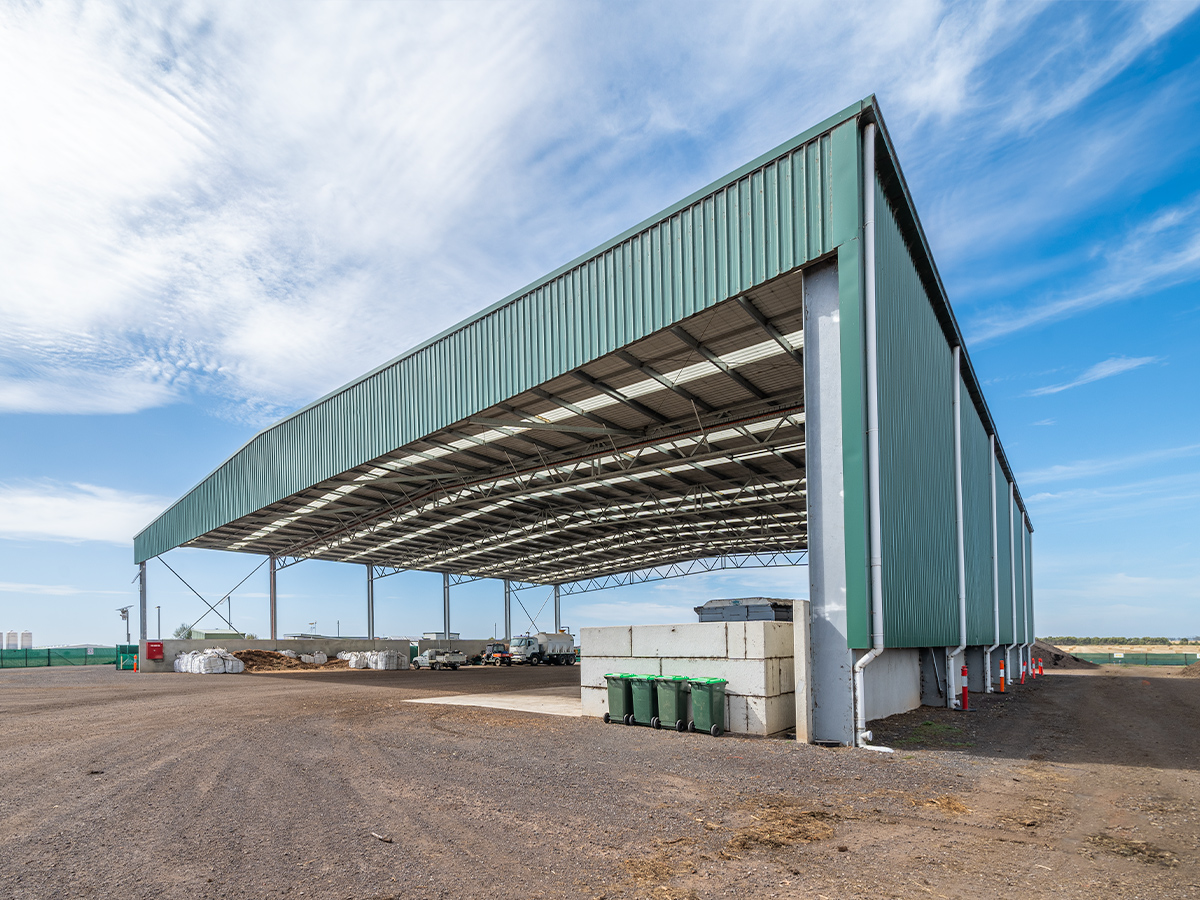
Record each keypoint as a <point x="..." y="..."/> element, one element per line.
<point x="768" y="368"/>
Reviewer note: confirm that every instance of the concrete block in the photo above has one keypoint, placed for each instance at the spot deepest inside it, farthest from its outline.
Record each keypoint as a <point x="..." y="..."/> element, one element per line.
<point x="776" y="639"/>
<point x="695" y="639"/>
<point x="746" y="677"/>
<point x="608" y="641"/>
<point x="595" y="701"/>
<point x="735" y="639"/>
<point x="592" y="669"/>
<point x="779" y="713"/>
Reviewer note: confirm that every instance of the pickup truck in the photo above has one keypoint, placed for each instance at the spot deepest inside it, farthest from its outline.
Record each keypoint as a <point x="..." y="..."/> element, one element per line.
<point x="439" y="659"/>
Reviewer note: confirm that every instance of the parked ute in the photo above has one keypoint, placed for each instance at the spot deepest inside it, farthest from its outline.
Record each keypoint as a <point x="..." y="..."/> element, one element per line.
<point x="439" y="659"/>
<point x="496" y="653"/>
<point x="556" y="649"/>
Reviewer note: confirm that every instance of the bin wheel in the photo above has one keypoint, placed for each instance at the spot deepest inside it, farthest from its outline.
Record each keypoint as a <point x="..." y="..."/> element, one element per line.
<point x="656" y="722"/>
<point x="680" y="725"/>
<point x="691" y="726"/>
<point x="716" y="731"/>
<point x="607" y="718"/>
<point x="628" y="720"/>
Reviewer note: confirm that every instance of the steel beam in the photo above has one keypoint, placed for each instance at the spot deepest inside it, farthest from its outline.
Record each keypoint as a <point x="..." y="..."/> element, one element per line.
<point x="446" y="604"/>
<point x="370" y="602"/>
<point x="142" y="598"/>
<point x="557" y="610"/>
<point x="507" y="610"/>
<point x="274" y="616"/>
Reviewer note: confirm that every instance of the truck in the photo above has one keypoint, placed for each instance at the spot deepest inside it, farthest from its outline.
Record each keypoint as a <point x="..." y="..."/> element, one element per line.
<point x="435" y="658"/>
<point x="556" y="648"/>
<point x="496" y="654"/>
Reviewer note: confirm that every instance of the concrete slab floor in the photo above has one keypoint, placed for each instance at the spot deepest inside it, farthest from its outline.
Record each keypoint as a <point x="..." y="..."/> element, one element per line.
<point x="553" y="701"/>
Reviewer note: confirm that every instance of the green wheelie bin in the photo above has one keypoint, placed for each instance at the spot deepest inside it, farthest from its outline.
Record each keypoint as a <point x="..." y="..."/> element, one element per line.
<point x="672" y="702"/>
<point x="645" y="700"/>
<point x="620" y="698"/>
<point x="708" y="705"/>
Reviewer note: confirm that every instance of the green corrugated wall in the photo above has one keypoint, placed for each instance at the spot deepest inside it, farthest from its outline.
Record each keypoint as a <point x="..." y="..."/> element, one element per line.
<point x="1004" y="557"/>
<point x="977" y="522"/>
<point x="916" y="441"/>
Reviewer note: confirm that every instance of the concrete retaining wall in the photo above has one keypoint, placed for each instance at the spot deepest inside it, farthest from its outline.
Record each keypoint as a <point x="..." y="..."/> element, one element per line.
<point x="756" y="658"/>
<point x="892" y="683"/>
<point x="331" y="647"/>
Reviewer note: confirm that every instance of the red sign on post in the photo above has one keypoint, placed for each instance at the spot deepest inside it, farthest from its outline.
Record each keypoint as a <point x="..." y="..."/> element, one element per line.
<point x="154" y="650"/>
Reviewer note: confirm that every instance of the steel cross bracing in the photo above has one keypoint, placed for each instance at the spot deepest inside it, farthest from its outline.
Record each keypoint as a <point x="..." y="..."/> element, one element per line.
<point x="688" y="444"/>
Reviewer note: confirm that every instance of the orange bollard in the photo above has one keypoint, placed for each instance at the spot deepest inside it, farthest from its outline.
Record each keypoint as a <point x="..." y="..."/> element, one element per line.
<point x="1002" y="676"/>
<point x="965" y="704"/>
<point x="1041" y="671"/>
<point x="1022" y="671"/>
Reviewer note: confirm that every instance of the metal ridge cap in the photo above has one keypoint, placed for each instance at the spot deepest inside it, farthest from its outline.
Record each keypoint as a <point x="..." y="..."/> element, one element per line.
<point x="787" y="146"/>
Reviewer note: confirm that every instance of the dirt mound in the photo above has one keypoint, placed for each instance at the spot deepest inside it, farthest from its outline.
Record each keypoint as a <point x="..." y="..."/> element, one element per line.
<point x="270" y="661"/>
<point x="1056" y="658"/>
<point x="1192" y="671"/>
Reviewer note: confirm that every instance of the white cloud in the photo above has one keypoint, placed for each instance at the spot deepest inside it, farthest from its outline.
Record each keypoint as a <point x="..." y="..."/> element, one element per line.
<point x="75" y="512"/>
<point x="1106" y="369"/>
<point x="1088" y="468"/>
<point x="50" y="590"/>
<point x="264" y="201"/>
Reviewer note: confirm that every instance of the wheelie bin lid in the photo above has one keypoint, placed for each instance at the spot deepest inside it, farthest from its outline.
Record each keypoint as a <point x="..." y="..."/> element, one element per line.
<point x="708" y="681"/>
<point x="644" y="677"/>
<point x="672" y="678"/>
<point x="619" y="675"/>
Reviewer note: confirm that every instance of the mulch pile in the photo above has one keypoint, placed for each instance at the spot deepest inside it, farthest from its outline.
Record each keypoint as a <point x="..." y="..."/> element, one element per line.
<point x="1055" y="658"/>
<point x="1192" y="671"/>
<point x="270" y="661"/>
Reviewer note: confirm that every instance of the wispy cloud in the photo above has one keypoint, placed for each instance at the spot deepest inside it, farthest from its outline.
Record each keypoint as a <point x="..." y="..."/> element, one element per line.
<point x="50" y="590"/>
<point x="1091" y="467"/>
<point x="74" y="512"/>
<point x="1110" y="367"/>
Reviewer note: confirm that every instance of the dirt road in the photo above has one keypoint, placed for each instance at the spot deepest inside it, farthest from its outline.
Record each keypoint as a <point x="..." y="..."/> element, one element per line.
<point x="122" y="785"/>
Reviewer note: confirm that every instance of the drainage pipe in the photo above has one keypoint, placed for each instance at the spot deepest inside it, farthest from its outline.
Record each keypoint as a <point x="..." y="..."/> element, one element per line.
<point x="987" y="653"/>
<point x="1030" y="640"/>
<point x="1012" y="581"/>
<point x="875" y="516"/>
<point x="956" y="405"/>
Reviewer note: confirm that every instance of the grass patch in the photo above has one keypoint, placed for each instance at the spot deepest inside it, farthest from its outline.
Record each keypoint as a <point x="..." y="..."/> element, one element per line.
<point x="934" y="734"/>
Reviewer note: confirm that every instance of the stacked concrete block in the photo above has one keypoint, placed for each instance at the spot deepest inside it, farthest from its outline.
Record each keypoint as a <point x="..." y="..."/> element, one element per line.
<point x="755" y="658"/>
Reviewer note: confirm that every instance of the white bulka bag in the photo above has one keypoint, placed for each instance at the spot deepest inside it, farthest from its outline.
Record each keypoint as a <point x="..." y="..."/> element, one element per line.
<point x="320" y="658"/>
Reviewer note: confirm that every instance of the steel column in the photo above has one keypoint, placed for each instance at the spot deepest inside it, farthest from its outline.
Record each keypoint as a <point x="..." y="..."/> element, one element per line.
<point x="557" y="611"/>
<point x="274" y="617"/>
<point x="507" y="610"/>
<point x="370" y="602"/>
<point x="142" y="598"/>
<point x="446" y="604"/>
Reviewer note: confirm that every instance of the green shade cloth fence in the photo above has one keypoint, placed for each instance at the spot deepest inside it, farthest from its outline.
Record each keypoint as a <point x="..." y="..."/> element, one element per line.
<point x="1140" y="659"/>
<point x="63" y="656"/>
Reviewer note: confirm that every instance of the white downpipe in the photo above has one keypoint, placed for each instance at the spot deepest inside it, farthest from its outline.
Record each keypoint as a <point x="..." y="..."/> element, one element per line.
<point x="1030" y="640"/>
<point x="951" y="694"/>
<point x="1013" y="674"/>
<point x="874" y="515"/>
<point x="987" y="653"/>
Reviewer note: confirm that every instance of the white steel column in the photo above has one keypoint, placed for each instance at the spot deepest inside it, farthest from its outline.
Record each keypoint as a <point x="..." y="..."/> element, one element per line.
<point x="557" y="611"/>
<point x="142" y="598"/>
<point x="370" y="602"/>
<point x="274" y="616"/>
<point x="446" y="604"/>
<point x="507" y="610"/>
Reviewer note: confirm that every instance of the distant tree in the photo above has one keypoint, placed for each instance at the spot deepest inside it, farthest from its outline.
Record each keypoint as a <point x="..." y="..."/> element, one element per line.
<point x="251" y="636"/>
<point x="183" y="632"/>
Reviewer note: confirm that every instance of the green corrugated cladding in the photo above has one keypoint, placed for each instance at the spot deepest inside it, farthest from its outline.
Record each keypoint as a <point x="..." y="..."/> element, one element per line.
<point x="916" y="442"/>
<point x="977" y="522"/>
<point x="1004" y="557"/>
<point x="1029" y="624"/>
<point x="1019" y="559"/>
<point x="771" y="216"/>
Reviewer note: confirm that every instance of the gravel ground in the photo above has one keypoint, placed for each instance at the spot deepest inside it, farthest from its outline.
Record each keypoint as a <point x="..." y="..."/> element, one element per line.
<point x="283" y="784"/>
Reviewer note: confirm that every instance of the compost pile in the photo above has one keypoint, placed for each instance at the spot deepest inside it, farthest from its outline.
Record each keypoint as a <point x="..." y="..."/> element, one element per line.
<point x="1056" y="658"/>
<point x="270" y="661"/>
<point x="1192" y="671"/>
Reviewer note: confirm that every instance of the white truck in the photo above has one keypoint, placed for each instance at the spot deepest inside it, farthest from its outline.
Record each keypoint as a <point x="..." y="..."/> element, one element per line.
<point x="435" y="658"/>
<point x="556" y="648"/>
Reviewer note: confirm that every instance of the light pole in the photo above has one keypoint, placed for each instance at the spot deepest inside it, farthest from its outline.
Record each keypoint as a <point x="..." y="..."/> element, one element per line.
<point x="124" y="611"/>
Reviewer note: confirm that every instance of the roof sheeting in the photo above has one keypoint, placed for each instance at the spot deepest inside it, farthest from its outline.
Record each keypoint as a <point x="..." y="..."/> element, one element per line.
<point x="766" y="218"/>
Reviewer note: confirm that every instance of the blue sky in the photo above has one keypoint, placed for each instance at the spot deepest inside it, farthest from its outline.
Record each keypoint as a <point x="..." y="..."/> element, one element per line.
<point x="216" y="212"/>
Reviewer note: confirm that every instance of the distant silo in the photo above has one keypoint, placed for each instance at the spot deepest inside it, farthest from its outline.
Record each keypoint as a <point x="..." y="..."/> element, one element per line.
<point x="26" y="640"/>
<point x="10" y="641"/>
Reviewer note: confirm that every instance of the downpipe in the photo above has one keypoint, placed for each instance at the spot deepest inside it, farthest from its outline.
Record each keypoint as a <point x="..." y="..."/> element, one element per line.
<point x="861" y="735"/>
<point x="952" y="701"/>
